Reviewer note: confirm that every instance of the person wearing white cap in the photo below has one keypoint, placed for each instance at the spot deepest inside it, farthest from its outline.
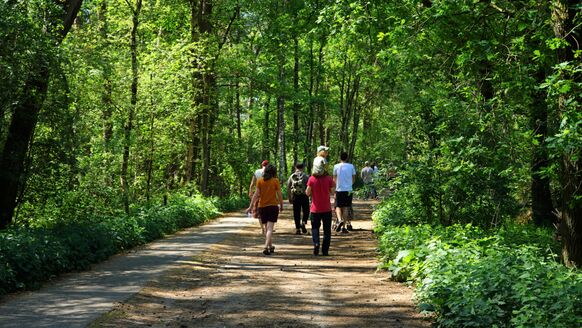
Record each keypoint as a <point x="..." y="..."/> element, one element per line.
<point x="320" y="165"/>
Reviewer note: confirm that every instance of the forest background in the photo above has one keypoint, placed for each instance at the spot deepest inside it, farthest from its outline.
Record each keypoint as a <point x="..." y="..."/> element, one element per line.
<point x="108" y="106"/>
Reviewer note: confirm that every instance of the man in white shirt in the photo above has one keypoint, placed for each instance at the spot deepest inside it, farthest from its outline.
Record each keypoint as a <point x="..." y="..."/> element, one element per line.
<point x="344" y="175"/>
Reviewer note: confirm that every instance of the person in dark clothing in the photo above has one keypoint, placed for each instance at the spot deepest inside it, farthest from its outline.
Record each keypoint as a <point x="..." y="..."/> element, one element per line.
<point x="296" y="187"/>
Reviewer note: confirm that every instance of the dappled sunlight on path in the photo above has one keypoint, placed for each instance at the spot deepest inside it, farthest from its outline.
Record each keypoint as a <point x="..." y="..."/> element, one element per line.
<point x="233" y="284"/>
<point x="76" y="299"/>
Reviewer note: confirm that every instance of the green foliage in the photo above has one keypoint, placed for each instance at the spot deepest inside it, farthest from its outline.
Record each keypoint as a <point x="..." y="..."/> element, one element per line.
<point x="474" y="277"/>
<point x="231" y="203"/>
<point x="32" y="255"/>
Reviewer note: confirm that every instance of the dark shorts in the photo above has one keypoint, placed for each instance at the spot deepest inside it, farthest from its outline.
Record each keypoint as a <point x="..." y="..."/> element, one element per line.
<point x="343" y="199"/>
<point x="269" y="214"/>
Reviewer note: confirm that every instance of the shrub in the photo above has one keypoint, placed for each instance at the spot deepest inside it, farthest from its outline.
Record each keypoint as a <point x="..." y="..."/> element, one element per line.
<point x="31" y="255"/>
<point x="473" y="277"/>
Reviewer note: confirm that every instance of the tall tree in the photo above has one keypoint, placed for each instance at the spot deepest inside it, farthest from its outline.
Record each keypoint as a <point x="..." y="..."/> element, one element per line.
<point x="128" y="127"/>
<point x="565" y="16"/>
<point x="24" y="119"/>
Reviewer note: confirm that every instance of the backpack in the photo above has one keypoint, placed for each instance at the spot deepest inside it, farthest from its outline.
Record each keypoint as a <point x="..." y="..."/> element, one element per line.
<point x="297" y="185"/>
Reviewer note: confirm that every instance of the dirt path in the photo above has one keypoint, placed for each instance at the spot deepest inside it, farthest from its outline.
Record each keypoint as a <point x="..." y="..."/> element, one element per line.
<point x="76" y="299"/>
<point x="232" y="284"/>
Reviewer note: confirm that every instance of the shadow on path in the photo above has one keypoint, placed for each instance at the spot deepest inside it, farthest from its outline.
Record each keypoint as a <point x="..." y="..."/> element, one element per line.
<point x="232" y="284"/>
<point x="76" y="299"/>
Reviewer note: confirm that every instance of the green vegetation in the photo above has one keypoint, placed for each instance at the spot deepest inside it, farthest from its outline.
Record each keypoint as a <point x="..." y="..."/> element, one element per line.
<point x="30" y="256"/>
<point x="474" y="277"/>
<point x="115" y="110"/>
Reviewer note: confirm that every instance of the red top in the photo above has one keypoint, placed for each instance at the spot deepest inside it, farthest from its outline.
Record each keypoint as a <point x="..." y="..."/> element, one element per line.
<point x="320" y="187"/>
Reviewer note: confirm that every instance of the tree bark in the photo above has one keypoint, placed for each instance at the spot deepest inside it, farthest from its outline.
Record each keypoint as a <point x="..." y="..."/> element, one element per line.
<point x="25" y="117"/>
<point x="133" y="104"/>
<point x="563" y="16"/>
<point x="106" y="97"/>
<point x="541" y="195"/>
<point x="281" y="125"/>
<point x="296" y="104"/>
<point x="265" y="141"/>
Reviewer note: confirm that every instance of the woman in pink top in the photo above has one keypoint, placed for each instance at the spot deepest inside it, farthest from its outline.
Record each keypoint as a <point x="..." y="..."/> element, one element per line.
<point x="320" y="188"/>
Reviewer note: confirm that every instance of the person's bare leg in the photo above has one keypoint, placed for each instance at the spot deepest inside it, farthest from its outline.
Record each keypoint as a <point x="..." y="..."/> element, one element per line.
<point x="340" y="218"/>
<point x="348" y="216"/>
<point x="269" y="234"/>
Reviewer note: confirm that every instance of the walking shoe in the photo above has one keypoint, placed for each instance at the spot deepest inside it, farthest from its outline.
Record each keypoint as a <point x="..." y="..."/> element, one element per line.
<point x="297" y="231"/>
<point x="266" y="251"/>
<point x="272" y="249"/>
<point x="303" y="229"/>
<point x="339" y="227"/>
<point x="316" y="250"/>
<point x="344" y="230"/>
<point x="350" y="227"/>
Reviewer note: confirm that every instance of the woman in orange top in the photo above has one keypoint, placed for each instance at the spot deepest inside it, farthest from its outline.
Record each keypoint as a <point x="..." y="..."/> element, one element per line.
<point x="269" y="194"/>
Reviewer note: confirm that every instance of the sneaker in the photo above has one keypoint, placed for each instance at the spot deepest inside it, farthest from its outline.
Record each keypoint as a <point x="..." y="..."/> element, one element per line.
<point x="303" y="229"/>
<point x="339" y="227"/>
<point x="325" y="253"/>
<point x="316" y="250"/>
<point x="272" y="249"/>
<point x="297" y="231"/>
<point x="350" y="227"/>
<point x="266" y="251"/>
<point x="344" y="230"/>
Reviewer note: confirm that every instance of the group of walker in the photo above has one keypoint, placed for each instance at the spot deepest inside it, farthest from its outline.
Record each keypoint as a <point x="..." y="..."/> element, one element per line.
<point x="267" y="199"/>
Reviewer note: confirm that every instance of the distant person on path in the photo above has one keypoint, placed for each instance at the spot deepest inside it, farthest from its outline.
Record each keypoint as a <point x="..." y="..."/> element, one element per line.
<point x="270" y="203"/>
<point x="320" y="188"/>
<point x="344" y="176"/>
<point x="256" y="176"/>
<point x="366" y="174"/>
<point x="320" y="165"/>
<point x="296" y="187"/>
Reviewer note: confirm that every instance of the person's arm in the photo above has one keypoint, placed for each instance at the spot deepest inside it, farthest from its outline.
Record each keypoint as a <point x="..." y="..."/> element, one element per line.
<point x="332" y="189"/>
<point x="253" y="182"/>
<point x="280" y="196"/>
<point x="308" y="191"/>
<point x="254" y="198"/>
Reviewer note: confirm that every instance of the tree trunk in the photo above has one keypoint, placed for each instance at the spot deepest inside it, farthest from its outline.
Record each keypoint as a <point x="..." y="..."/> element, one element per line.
<point x="195" y="122"/>
<point x="309" y="127"/>
<point x="541" y="195"/>
<point x="563" y="16"/>
<point x="296" y="101"/>
<point x="265" y="141"/>
<point x="131" y="113"/>
<point x="238" y="109"/>
<point x="281" y="125"/>
<point x="356" y="124"/>
<point x="25" y="117"/>
<point x="106" y="97"/>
